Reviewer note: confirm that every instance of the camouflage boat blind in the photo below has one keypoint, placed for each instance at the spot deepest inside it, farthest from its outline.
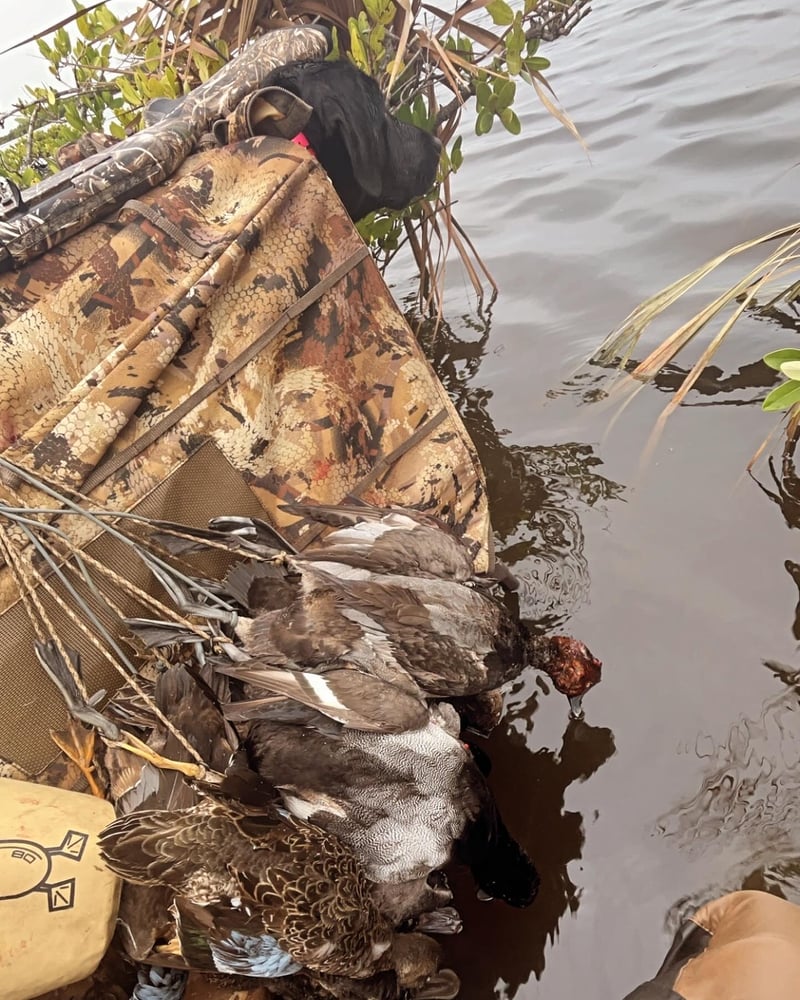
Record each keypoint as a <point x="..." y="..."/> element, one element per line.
<point x="221" y="344"/>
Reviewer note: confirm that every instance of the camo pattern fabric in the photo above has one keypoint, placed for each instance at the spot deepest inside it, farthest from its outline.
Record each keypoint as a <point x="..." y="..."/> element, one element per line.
<point x="83" y="193"/>
<point x="122" y="324"/>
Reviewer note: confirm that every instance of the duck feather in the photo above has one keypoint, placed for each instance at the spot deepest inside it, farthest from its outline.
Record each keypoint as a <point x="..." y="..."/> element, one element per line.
<point x="303" y="884"/>
<point x="388" y="540"/>
<point x="355" y="699"/>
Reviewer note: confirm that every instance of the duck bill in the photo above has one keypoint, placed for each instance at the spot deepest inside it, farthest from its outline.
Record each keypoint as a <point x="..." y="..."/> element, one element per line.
<point x="442" y="986"/>
<point x="576" y="706"/>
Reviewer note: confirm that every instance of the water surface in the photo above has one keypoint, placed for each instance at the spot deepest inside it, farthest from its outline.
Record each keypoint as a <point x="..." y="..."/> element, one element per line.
<point x="679" y="574"/>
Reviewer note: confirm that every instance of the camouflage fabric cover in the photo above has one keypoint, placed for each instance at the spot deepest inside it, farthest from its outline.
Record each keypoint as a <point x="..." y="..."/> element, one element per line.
<point x="64" y="203"/>
<point x="220" y="345"/>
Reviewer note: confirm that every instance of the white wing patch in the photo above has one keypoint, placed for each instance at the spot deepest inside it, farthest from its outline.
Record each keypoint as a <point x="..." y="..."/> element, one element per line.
<point x="323" y="691"/>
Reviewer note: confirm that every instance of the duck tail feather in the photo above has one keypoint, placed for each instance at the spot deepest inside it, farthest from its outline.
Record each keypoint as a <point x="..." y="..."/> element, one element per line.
<point x="254" y="530"/>
<point x="261" y="586"/>
<point x="335" y="515"/>
<point x="137" y="848"/>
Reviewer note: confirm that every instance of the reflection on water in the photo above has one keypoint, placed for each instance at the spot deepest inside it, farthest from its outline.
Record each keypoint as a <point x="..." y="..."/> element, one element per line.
<point x="781" y="878"/>
<point x="713" y="381"/>
<point x="786" y="483"/>
<point x="538" y="497"/>
<point x="786" y="495"/>
<point x="689" y="110"/>
<point x="749" y="798"/>
<point x="752" y="381"/>
<point x="537" y="493"/>
<point x="779" y="875"/>
<point x="532" y="803"/>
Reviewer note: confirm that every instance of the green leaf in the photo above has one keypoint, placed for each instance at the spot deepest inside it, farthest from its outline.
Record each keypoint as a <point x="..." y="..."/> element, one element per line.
<point x="504" y="91"/>
<point x="84" y="26"/>
<point x="782" y="398"/>
<point x="456" y="155"/>
<point x="483" y="94"/>
<point x="511" y="122"/>
<point x="535" y="64"/>
<point x="388" y="14"/>
<point x="357" y="51"/>
<point x="129" y="92"/>
<point x="500" y="12"/>
<point x="107" y="21"/>
<point x="73" y="119"/>
<point x="376" y="45"/>
<point x="791" y="369"/>
<point x="373" y="8"/>
<point x="484" y="122"/>
<point x="777" y="358"/>
<point x="62" y="42"/>
<point x="515" y="39"/>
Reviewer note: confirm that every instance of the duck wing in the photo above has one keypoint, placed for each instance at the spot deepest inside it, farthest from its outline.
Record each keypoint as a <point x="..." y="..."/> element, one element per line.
<point x="398" y="800"/>
<point x="453" y="640"/>
<point x="261" y="586"/>
<point x="355" y="699"/>
<point x="311" y="894"/>
<point x="228" y="941"/>
<point x="307" y="890"/>
<point x="388" y="540"/>
<point x="309" y="632"/>
<point x="193" y="707"/>
<point x="325" y="630"/>
<point x="184" y="849"/>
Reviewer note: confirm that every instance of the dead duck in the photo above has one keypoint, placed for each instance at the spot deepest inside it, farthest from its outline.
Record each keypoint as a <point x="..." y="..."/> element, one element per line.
<point x="403" y="801"/>
<point x="262" y="894"/>
<point x="450" y="640"/>
<point x="396" y="540"/>
<point x="389" y="591"/>
<point x="231" y="882"/>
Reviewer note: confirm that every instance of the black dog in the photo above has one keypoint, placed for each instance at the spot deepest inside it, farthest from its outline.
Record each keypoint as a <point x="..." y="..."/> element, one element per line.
<point x="373" y="160"/>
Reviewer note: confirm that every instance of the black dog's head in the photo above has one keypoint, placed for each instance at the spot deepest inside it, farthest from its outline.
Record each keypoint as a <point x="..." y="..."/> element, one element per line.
<point x="373" y="160"/>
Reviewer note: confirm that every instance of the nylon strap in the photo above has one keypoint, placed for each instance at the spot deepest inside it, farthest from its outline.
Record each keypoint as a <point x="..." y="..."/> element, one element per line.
<point x="381" y="467"/>
<point x="155" y="218"/>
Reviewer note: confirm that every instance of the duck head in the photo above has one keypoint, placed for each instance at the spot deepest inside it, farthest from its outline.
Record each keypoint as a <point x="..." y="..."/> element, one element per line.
<point x="415" y="960"/>
<point x="569" y="664"/>
<point x="508" y="874"/>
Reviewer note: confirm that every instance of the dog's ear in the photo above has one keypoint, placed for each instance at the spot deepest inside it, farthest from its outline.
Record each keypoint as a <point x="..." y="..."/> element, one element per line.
<point x="361" y="131"/>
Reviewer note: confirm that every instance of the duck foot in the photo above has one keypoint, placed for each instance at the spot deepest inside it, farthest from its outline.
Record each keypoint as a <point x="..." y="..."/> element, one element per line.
<point x="135" y="746"/>
<point x="77" y="744"/>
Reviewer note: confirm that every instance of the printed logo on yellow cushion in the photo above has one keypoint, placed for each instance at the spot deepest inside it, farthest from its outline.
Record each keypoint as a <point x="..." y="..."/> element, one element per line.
<point x="25" y="867"/>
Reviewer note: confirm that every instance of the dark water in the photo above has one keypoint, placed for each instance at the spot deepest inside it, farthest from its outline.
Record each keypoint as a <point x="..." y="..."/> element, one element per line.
<point x="682" y="575"/>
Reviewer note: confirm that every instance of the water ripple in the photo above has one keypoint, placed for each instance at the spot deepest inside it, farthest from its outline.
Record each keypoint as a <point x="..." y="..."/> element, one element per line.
<point x="750" y="796"/>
